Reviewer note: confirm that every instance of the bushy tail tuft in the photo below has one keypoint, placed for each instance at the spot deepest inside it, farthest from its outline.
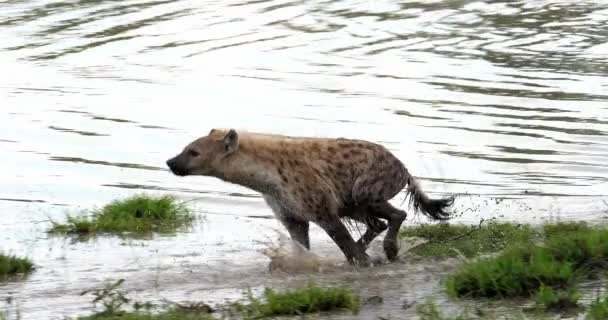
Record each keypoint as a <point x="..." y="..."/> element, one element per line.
<point x="432" y="208"/>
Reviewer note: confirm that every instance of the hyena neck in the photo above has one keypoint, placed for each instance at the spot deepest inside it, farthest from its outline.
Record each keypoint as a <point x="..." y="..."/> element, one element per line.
<point x="246" y="171"/>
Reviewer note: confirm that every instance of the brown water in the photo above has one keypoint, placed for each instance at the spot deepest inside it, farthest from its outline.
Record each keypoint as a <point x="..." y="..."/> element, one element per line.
<point x="505" y="102"/>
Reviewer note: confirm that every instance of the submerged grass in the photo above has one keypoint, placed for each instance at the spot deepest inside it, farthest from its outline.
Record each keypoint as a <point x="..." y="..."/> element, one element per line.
<point x="173" y="314"/>
<point x="446" y="240"/>
<point x="311" y="299"/>
<point x="568" y="253"/>
<point x="137" y="214"/>
<point x="429" y="311"/>
<point x="551" y="299"/>
<point x="12" y="265"/>
<point x="598" y="310"/>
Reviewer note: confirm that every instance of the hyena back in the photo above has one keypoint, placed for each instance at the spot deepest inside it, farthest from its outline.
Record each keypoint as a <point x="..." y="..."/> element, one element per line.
<point x="317" y="180"/>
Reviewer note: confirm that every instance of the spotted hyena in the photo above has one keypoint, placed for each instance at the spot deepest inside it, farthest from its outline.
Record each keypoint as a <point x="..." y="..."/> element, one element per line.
<point x="317" y="180"/>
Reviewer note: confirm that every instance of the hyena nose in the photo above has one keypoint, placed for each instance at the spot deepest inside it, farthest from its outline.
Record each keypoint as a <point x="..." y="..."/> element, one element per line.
<point x="171" y="162"/>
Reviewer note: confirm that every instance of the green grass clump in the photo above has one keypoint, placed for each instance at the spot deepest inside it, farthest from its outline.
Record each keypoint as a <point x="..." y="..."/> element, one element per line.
<point x="556" y="300"/>
<point x="174" y="314"/>
<point x="598" y="310"/>
<point x="566" y="229"/>
<point x="113" y="299"/>
<point x="12" y="265"/>
<point x="138" y="214"/>
<point x="74" y="225"/>
<point x="587" y="250"/>
<point x="570" y="252"/>
<point x="518" y="271"/>
<point x="429" y="311"/>
<point x="306" y="300"/>
<point x="445" y="240"/>
<point x="311" y="299"/>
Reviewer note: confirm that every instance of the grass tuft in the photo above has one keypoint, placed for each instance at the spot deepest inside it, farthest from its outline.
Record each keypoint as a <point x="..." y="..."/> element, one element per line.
<point x="429" y="311"/>
<point x="551" y="299"/>
<point x="561" y="229"/>
<point x="113" y="299"/>
<point x="570" y="252"/>
<point x="518" y="271"/>
<point x="598" y="310"/>
<point x="306" y="300"/>
<point x="445" y="240"/>
<point x="12" y="265"/>
<point x="139" y="214"/>
<point x="173" y="314"/>
<point x="311" y="299"/>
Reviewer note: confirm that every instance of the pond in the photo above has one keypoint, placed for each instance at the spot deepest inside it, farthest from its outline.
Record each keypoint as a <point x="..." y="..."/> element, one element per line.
<point x="504" y="103"/>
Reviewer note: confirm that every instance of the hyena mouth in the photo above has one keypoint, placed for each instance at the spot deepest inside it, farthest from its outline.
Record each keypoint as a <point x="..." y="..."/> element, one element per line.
<point x="179" y="172"/>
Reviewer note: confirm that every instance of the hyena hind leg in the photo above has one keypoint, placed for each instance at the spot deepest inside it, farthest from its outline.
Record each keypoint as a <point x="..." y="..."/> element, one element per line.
<point x="374" y="226"/>
<point x="395" y="218"/>
<point x="333" y="226"/>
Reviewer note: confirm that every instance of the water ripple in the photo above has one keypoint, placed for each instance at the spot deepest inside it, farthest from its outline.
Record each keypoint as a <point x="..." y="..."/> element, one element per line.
<point x="490" y="99"/>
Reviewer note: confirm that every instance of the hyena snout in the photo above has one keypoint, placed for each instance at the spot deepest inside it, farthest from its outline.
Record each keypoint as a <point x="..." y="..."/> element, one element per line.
<point x="177" y="167"/>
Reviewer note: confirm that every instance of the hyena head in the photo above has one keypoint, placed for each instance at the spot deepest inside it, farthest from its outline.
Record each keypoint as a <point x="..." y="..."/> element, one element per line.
<point x="204" y="155"/>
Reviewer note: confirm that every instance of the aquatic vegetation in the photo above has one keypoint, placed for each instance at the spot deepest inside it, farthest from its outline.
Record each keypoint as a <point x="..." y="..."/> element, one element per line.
<point x="12" y="265"/>
<point x="564" y="229"/>
<point x="551" y="299"/>
<point x="311" y="299"/>
<point x="138" y="214"/>
<point x="518" y="271"/>
<point x="570" y="252"/>
<point x="173" y="314"/>
<point x="429" y="311"/>
<point x="110" y="297"/>
<point x="598" y="310"/>
<point x="113" y="300"/>
<point x="448" y="240"/>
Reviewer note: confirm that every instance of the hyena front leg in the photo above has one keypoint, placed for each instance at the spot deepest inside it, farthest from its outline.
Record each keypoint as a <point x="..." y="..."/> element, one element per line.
<point x="297" y="228"/>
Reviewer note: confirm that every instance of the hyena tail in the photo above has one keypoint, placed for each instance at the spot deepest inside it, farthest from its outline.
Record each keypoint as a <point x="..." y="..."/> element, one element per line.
<point x="432" y="208"/>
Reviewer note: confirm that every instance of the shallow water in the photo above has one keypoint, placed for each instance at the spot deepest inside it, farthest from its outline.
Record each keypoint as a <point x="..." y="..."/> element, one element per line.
<point x="504" y="102"/>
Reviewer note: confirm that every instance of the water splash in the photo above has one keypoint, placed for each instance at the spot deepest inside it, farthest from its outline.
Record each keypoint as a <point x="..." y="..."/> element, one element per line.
<point x="289" y="256"/>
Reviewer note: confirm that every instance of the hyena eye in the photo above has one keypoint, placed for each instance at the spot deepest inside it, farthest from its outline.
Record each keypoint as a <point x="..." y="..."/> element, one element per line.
<point x="193" y="153"/>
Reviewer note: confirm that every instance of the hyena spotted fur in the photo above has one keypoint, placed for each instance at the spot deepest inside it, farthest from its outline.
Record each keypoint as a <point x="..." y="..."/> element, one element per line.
<point x="317" y="180"/>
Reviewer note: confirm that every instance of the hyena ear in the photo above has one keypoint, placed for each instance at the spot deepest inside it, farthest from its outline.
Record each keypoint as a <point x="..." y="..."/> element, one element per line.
<point x="231" y="141"/>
